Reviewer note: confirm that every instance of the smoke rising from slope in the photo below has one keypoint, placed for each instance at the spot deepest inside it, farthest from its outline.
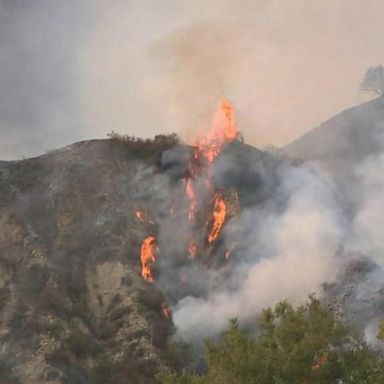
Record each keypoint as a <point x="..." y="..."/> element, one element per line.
<point x="286" y="248"/>
<point x="367" y="237"/>
<point x="164" y="69"/>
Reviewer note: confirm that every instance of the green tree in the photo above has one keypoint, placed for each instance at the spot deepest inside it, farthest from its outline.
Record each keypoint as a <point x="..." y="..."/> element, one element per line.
<point x="292" y="345"/>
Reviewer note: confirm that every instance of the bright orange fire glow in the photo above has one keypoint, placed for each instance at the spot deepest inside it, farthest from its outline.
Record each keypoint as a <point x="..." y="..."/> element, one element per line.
<point x="147" y="258"/>
<point x="223" y="131"/>
<point x="199" y="190"/>
<point x="218" y="217"/>
<point x="204" y="151"/>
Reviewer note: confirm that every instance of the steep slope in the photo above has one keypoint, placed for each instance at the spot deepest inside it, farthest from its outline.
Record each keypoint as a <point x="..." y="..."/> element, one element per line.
<point x="74" y="308"/>
<point x="344" y="140"/>
<point x="341" y="146"/>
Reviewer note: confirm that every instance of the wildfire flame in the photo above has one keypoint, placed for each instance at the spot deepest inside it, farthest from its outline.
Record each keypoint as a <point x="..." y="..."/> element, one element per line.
<point x="165" y="311"/>
<point x="223" y="131"/>
<point x="320" y="361"/>
<point x="192" y="249"/>
<point x="218" y="216"/>
<point x="190" y="192"/>
<point x="139" y="214"/>
<point x="204" y="152"/>
<point x="147" y="257"/>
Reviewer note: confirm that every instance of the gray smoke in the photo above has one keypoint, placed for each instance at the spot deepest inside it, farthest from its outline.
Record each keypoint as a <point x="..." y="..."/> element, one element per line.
<point x="76" y="69"/>
<point x="39" y="41"/>
<point x="368" y="237"/>
<point x="284" y="255"/>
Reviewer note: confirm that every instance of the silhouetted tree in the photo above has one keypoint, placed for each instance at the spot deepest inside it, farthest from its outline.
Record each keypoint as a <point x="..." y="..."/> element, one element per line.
<point x="373" y="81"/>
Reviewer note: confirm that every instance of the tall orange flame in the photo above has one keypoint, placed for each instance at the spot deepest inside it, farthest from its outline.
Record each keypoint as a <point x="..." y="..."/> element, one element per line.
<point x="147" y="258"/>
<point x="223" y="131"/>
<point x="218" y="217"/>
<point x="204" y="152"/>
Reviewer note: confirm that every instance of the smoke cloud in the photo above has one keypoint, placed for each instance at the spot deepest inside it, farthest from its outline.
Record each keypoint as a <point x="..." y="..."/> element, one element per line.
<point x="285" y="247"/>
<point x="367" y="237"/>
<point x="284" y="256"/>
<point x="72" y="70"/>
<point x="39" y="41"/>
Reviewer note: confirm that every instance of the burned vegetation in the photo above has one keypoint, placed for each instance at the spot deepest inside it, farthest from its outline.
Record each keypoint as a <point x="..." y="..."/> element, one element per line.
<point x="100" y="239"/>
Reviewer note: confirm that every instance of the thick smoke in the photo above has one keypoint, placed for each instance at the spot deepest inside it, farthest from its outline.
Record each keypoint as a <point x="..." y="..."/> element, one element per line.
<point x="290" y="240"/>
<point x="285" y="247"/>
<point x="143" y="73"/>
<point x="368" y="223"/>
<point x="160" y="66"/>
<point x="72" y="70"/>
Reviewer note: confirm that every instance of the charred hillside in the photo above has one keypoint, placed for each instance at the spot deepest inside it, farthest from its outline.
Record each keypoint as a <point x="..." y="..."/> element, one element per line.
<point x="74" y="306"/>
<point x="111" y="249"/>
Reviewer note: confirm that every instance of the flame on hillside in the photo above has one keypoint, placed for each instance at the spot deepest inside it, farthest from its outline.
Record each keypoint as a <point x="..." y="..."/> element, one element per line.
<point x="218" y="217"/>
<point x="139" y="214"/>
<point x="165" y="311"/>
<point x="204" y="152"/>
<point x="223" y="131"/>
<point x="192" y="249"/>
<point x="190" y="192"/>
<point x="206" y="207"/>
<point x="320" y="361"/>
<point x="147" y="257"/>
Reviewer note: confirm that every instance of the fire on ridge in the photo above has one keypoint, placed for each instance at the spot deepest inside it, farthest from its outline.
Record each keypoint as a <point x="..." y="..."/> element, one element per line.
<point x="204" y="151"/>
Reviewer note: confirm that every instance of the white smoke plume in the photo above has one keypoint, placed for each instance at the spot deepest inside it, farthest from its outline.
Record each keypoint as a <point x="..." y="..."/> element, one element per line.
<point x="284" y="256"/>
<point x="368" y="237"/>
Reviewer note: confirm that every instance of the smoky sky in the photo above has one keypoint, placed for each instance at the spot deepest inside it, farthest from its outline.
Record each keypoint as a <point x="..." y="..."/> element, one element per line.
<point x="78" y="69"/>
<point x="38" y="106"/>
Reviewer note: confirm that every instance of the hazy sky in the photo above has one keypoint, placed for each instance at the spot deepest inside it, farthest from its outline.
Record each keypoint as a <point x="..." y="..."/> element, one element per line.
<point x="78" y="69"/>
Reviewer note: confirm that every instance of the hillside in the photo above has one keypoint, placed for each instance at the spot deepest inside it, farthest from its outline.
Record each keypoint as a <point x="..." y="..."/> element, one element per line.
<point x="74" y="307"/>
<point x="111" y="248"/>
<point x="344" y="140"/>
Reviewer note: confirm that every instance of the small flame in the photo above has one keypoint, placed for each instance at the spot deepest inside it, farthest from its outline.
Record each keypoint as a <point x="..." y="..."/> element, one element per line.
<point x="147" y="258"/>
<point x="165" y="311"/>
<point x="190" y="192"/>
<point x="320" y="361"/>
<point x="218" y="217"/>
<point x="192" y="249"/>
<point x="139" y="214"/>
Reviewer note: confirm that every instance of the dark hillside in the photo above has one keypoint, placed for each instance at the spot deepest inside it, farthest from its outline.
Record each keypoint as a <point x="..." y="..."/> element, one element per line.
<point x="74" y="308"/>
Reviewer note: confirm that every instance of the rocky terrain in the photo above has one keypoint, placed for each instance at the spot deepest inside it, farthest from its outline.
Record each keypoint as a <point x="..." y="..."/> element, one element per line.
<point x="75" y="305"/>
<point x="74" y="308"/>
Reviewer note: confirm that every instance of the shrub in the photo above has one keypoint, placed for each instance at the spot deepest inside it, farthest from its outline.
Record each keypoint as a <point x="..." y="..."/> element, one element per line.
<point x="146" y="147"/>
